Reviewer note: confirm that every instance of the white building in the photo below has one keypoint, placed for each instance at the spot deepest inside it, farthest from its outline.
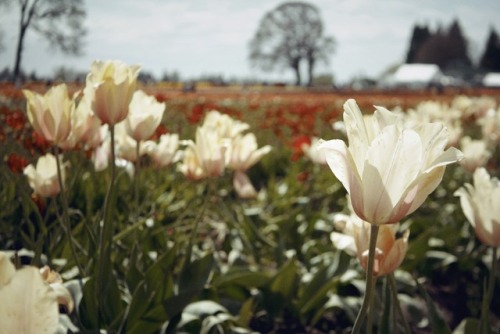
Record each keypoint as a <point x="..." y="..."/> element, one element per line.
<point x="414" y="76"/>
<point x="491" y="79"/>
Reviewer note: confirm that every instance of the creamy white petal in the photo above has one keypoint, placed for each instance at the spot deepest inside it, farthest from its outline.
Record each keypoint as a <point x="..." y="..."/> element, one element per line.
<point x="466" y="202"/>
<point x="424" y="185"/>
<point x="28" y="304"/>
<point x="451" y="155"/>
<point x="357" y="133"/>
<point x="341" y="163"/>
<point x="7" y="269"/>
<point x="392" y="163"/>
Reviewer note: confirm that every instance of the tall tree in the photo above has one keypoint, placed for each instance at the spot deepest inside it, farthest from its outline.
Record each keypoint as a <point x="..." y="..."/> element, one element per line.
<point x="458" y="47"/>
<point x="59" y="21"/>
<point x="419" y="36"/>
<point x="490" y="60"/>
<point x="447" y="49"/>
<point x="289" y="35"/>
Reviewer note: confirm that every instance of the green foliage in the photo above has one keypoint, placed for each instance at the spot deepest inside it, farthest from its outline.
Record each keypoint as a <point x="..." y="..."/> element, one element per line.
<point x="192" y="257"/>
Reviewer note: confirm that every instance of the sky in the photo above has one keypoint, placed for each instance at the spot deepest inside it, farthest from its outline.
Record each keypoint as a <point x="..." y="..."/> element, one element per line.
<point x="200" y="37"/>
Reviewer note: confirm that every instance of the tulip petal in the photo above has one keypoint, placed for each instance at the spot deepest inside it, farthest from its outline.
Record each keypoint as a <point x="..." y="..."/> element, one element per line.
<point x="385" y="239"/>
<point x="393" y="161"/>
<point x="434" y="138"/>
<point x="423" y="186"/>
<point x="344" y="242"/>
<point x="356" y="130"/>
<point x="7" y="269"/>
<point x="28" y="304"/>
<point x="393" y="259"/>
<point x="243" y="185"/>
<point x="340" y="161"/>
<point x="384" y="118"/>
<point x="449" y="156"/>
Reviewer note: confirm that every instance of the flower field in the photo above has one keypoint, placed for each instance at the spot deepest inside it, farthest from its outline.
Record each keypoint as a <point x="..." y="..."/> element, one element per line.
<point x="222" y="211"/>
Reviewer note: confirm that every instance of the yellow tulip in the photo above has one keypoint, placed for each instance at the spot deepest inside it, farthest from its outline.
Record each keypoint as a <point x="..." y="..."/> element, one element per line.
<point x="164" y="152"/>
<point x="225" y="126"/>
<point x="29" y="304"/>
<point x="42" y="177"/>
<point x="50" y="114"/>
<point x="144" y="116"/>
<point x="243" y="152"/>
<point x="113" y="83"/>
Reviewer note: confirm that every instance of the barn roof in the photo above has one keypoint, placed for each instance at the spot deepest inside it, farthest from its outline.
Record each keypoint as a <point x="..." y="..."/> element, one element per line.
<point x="491" y="79"/>
<point x="416" y="73"/>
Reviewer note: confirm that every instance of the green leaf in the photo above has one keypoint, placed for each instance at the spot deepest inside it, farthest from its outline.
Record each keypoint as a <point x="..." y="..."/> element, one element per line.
<point x="192" y="281"/>
<point x="467" y="326"/>
<point x="284" y="282"/>
<point x="385" y="319"/>
<point x="243" y="277"/>
<point x="315" y="292"/>
<point x="156" y="286"/>
<point x="438" y="324"/>
<point x="195" y="274"/>
<point x="246" y="313"/>
<point x="282" y="289"/>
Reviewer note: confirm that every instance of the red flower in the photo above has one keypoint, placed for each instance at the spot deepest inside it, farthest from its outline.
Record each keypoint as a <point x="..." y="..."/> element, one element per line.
<point x="16" y="163"/>
<point x="297" y="144"/>
<point x="16" y="120"/>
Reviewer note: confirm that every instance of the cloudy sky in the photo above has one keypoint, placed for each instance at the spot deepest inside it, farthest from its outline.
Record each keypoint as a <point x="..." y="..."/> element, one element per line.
<point x="200" y="37"/>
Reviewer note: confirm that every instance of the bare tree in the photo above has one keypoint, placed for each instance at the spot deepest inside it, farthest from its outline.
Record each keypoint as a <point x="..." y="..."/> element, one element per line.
<point x="288" y="35"/>
<point x="59" y="21"/>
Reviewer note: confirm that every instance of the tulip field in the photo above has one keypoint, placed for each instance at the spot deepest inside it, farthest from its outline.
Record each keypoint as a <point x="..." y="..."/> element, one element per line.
<point x="247" y="209"/>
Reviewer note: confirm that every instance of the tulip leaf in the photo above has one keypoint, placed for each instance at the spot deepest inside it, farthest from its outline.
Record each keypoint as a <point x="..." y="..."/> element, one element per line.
<point x="315" y="292"/>
<point x="282" y="288"/>
<point x="467" y="326"/>
<point x="154" y="288"/>
<point x="246" y="312"/>
<point x="387" y="315"/>
<point x="242" y="277"/>
<point x="438" y="324"/>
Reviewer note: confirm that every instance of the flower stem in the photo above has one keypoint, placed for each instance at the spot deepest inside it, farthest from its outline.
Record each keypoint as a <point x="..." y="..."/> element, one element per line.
<point x="370" y="281"/>
<point x="485" y="307"/>
<point x="65" y="216"/>
<point x="197" y="222"/>
<point x="106" y="234"/>
<point x="394" y="293"/>
<point x="369" y="322"/>
<point x="136" y="176"/>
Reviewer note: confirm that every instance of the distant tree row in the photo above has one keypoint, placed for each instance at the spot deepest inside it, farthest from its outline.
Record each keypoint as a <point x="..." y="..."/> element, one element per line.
<point x="448" y="48"/>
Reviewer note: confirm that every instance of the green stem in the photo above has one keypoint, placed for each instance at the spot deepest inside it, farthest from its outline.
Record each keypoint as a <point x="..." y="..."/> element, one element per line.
<point x="197" y="223"/>
<point x="106" y="233"/>
<point x="394" y="293"/>
<point x="136" y="176"/>
<point x="370" y="280"/>
<point x="369" y="322"/>
<point x="485" y="307"/>
<point x="65" y="216"/>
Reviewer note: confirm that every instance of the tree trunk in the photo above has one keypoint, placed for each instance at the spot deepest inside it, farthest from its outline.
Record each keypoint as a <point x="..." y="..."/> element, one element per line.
<point x="296" y="68"/>
<point x="24" y="23"/>
<point x="297" y="76"/>
<point x="19" y="53"/>
<point x="310" y="70"/>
